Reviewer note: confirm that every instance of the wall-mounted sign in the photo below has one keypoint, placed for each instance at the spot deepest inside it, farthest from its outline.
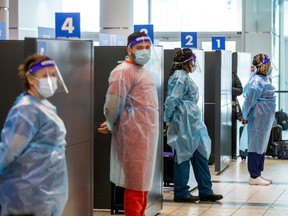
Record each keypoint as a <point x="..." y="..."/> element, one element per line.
<point x="2" y="31"/>
<point x="67" y="25"/>
<point x="218" y="43"/>
<point x="189" y="39"/>
<point x="148" y="29"/>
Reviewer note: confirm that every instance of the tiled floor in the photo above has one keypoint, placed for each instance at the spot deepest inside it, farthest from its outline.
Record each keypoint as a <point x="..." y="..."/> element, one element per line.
<point x="239" y="197"/>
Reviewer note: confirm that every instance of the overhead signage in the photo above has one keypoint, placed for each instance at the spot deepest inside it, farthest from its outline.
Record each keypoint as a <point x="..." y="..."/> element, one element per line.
<point x="2" y="31"/>
<point x="218" y="43"/>
<point x="148" y="29"/>
<point x="188" y="39"/>
<point x="67" y="25"/>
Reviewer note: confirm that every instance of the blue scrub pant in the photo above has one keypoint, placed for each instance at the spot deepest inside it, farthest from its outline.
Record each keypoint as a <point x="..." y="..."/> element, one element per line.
<point x="255" y="164"/>
<point x="201" y="172"/>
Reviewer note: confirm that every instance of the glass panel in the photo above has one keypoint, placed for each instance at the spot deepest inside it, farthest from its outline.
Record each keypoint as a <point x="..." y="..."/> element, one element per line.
<point x="140" y="12"/>
<point x="286" y="18"/>
<point x="195" y="15"/>
<point x="229" y="45"/>
<point x="89" y="13"/>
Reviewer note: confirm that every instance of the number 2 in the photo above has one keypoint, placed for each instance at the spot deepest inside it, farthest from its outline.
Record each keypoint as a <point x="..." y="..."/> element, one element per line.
<point x="190" y="40"/>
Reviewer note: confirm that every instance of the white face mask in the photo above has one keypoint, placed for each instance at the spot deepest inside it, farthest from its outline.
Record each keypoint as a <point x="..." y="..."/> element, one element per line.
<point x="47" y="89"/>
<point x="142" y="56"/>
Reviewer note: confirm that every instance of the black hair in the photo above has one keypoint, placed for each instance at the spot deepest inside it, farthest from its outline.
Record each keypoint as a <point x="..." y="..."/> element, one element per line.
<point x="179" y="59"/>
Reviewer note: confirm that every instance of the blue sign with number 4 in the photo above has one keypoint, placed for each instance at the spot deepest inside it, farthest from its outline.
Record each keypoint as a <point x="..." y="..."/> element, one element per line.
<point x="67" y="25"/>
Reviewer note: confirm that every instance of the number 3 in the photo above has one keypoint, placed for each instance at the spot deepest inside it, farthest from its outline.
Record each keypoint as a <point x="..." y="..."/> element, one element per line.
<point x="68" y="25"/>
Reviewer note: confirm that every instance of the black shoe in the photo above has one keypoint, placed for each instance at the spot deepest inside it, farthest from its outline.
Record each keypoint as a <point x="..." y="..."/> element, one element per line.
<point x="189" y="199"/>
<point x="213" y="197"/>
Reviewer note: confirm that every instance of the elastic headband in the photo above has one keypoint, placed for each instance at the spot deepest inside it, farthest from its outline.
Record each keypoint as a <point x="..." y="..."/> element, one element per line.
<point x="40" y="65"/>
<point x="267" y="59"/>
<point x="139" y="40"/>
<point x="192" y="58"/>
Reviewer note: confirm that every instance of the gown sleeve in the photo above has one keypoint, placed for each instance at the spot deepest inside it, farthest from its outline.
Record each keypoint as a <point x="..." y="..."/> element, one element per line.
<point x="120" y="83"/>
<point x="176" y="87"/>
<point x="16" y="135"/>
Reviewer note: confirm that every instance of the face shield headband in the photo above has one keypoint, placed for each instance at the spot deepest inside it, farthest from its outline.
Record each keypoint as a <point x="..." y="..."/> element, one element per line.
<point x="139" y="40"/>
<point x="50" y="63"/>
<point x="265" y="61"/>
<point x="192" y="58"/>
<point x="40" y="65"/>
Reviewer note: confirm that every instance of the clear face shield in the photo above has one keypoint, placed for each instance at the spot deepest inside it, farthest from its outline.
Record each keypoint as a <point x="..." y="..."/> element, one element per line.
<point x="148" y="55"/>
<point x="49" y="78"/>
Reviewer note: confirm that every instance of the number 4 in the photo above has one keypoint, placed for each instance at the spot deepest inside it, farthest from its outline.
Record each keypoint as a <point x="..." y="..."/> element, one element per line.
<point x="68" y="25"/>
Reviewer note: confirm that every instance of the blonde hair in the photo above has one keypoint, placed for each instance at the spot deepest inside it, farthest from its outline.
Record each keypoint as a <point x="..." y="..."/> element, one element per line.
<point x="261" y="63"/>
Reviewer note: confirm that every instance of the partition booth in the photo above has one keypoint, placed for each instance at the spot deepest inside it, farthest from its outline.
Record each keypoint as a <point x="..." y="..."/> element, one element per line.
<point x="218" y="106"/>
<point x="241" y="65"/>
<point x="87" y="152"/>
<point x="75" y="61"/>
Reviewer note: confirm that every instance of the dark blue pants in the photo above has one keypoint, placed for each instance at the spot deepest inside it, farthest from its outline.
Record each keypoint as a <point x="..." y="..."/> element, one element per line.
<point x="201" y="172"/>
<point x="255" y="164"/>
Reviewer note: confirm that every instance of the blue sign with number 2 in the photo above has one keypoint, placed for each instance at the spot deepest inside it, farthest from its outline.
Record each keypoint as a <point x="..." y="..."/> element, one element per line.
<point x="189" y="39"/>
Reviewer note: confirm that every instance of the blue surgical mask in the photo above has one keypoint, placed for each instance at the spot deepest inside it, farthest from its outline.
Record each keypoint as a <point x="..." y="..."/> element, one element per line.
<point x="45" y="88"/>
<point x="142" y="56"/>
<point x="269" y="71"/>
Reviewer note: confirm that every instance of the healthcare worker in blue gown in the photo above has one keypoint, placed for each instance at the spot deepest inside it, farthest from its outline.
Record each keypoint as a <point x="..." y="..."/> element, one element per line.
<point x="186" y="132"/>
<point x="259" y="113"/>
<point x="33" y="172"/>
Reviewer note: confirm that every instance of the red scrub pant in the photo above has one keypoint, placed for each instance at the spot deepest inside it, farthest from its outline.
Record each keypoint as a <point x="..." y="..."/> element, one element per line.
<point x="135" y="202"/>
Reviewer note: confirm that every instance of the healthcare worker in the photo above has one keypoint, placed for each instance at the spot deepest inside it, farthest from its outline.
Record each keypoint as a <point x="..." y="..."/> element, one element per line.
<point x="186" y="132"/>
<point x="131" y="111"/>
<point x="259" y="112"/>
<point x="33" y="172"/>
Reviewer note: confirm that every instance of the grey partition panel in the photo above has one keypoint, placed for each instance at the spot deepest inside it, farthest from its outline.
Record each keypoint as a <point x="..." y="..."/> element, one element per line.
<point x="106" y="59"/>
<point x="218" y="96"/>
<point x="75" y="61"/>
<point x="11" y="55"/>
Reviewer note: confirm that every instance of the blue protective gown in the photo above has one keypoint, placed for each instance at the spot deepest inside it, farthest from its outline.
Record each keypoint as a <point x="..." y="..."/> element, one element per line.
<point x="259" y="109"/>
<point x="32" y="159"/>
<point x="186" y="132"/>
<point x="131" y="111"/>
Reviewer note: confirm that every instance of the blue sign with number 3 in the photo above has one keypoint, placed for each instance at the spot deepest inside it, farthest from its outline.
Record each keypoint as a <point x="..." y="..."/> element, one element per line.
<point x="67" y="25"/>
<point x="148" y="29"/>
<point x="189" y="39"/>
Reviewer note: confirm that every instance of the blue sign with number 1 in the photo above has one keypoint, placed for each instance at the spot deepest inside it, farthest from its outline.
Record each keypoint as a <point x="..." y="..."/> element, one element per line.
<point x="218" y="43"/>
<point x="67" y="25"/>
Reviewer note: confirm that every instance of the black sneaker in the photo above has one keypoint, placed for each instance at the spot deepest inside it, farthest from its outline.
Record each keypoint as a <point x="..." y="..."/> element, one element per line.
<point x="213" y="197"/>
<point x="189" y="199"/>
